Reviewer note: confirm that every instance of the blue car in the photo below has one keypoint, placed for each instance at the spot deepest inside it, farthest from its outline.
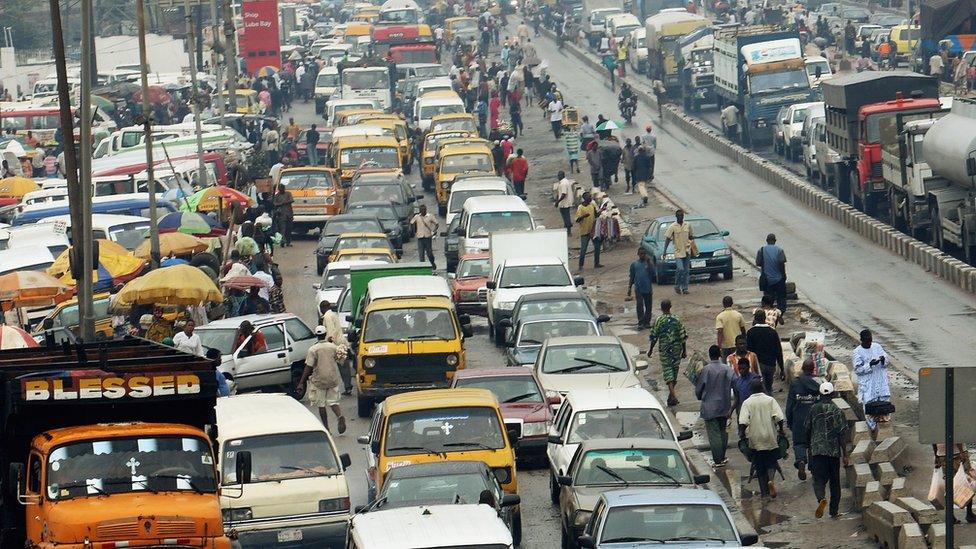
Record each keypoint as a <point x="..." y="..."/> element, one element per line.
<point x="714" y="255"/>
<point x="683" y="518"/>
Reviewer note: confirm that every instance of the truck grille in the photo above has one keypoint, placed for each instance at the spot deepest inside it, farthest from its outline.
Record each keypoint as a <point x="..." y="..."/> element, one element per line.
<point x="483" y="295"/>
<point x="174" y="526"/>
<point x="876" y="170"/>
<point x="411" y="369"/>
<point x="119" y="529"/>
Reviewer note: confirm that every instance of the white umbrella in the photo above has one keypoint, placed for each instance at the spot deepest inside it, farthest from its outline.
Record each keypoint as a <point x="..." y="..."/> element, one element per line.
<point x="608" y="125"/>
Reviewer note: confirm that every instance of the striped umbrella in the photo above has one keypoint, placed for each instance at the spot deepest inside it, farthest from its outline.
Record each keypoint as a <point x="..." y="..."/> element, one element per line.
<point x="213" y="198"/>
<point x="31" y="288"/>
<point x="266" y="71"/>
<point x="189" y="223"/>
<point x="12" y="337"/>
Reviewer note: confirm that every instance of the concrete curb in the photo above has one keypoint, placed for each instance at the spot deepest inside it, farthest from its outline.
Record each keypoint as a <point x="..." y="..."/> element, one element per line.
<point x="932" y="259"/>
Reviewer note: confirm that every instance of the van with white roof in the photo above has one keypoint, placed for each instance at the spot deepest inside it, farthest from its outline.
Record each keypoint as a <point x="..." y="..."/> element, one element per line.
<point x="335" y="106"/>
<point x="483" y="215"/>
<point x="37" y="235"/>
<point x="471" y="187"/>
<point x="126" y="230"/>
<point x="433" y="103"/>
<point x="471" y="526"/>
<point x="283" y="481"/>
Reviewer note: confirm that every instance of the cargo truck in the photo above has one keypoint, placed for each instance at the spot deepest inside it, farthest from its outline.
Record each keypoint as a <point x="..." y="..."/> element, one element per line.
<point x="855" y="104"/>
<point x="662" y="32"/>
<point x="103" y="445"/>
<point x="360" y="275"/>
<point x="595" y="14"/>
<point x="697" y="71"/>
<point x="759" y="69"/>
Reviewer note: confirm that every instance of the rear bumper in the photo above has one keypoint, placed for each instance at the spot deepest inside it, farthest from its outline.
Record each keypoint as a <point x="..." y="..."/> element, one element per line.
<point x="383" y="391"/>
<point x="713" y="265"/>
<point x="312" y="218"/>
<point x="531" y="447"/>
<point x="473" y="307"/>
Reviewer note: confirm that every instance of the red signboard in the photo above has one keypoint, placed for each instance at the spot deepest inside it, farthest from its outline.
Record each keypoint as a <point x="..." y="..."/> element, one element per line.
<point x="258" y="44"/>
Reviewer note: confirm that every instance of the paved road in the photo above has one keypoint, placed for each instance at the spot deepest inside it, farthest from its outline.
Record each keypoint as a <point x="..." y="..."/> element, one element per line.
<point x="920" y="319"/>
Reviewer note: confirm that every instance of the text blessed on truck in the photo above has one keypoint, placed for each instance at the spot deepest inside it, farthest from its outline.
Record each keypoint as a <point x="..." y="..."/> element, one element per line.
<point x="114" y="387"/>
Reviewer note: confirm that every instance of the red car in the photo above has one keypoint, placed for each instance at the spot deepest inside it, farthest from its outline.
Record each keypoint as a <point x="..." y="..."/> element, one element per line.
<point x="468" y="284"/>
<point x="525" y="407"/>
<point x="322" y="146"/>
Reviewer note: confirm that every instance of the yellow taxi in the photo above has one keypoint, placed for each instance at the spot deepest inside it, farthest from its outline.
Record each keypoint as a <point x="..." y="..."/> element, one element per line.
<point x="460" y="158"/>
<point x="66" y="315"/>
<point x="368" y="243"/>
<point x="351" y="116"/>
<point x="441" y="425"/>
<point x="454" y="121"/>
<point x="349" y="154"/>
<point x="455" y="25"/>
<point x="400" y="131"/>
<point x="359" y="27"/>
<point x="428" y="153"/>
<point x="316" y="193"/>
<point x="246" y="99"/>
<point x="365" y="254"/>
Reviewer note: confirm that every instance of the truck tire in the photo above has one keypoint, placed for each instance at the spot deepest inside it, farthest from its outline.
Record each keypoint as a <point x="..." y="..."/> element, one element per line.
<point x="364" y="406"/>
<point x="727" y="275"/>
<point x="856" y="199"/>
<point x="517" y="528"/>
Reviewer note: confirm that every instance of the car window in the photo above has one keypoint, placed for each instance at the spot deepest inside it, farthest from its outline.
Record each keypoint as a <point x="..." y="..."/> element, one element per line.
<point x="274" y="337"/>
<point x="553" y="306"/>
<point x="567" y="412"/>
<point x="443" y="430"/>
<point x="667" y="522"/>
<point x="536" y="333"/>
<point x="506" y="389"/>
<point x="631" y="466"/>
<point x="298" y="330"/>
<point x="618" y="423"/>
<point x="585" y="359"/>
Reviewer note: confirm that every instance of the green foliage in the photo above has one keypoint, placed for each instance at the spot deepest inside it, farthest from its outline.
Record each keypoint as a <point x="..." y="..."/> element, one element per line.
<point x="29" y="22"/>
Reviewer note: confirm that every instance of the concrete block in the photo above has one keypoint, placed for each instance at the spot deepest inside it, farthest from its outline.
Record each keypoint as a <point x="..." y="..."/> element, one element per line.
<point x="896" y="490"/>
<point x="732" y="479"/>
<point x="923" y="512"/>
<point x="883" y="520"/>
<point x="863" y="451"/>
<point x="884" y="472"/>
<point x="910" y="537"/>
<point x="889" y="449"/>
<point x="867" y="496"/>
<point x="859" y="475"/>
<point x="935" y="535"/>
<point x="846" y="408"/>
<point x="884" y="430"/>
<point x="860" y="432"/>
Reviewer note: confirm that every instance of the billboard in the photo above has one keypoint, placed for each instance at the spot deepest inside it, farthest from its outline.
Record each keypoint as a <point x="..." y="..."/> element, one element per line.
<point x="259" y="44"/>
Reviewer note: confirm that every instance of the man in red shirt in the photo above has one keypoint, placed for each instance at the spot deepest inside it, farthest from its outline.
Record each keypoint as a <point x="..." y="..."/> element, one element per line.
<point x="519" y="170"/>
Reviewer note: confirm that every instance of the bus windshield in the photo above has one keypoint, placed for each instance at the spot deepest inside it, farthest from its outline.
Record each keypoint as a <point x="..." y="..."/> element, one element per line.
<point x="372" y="79"/>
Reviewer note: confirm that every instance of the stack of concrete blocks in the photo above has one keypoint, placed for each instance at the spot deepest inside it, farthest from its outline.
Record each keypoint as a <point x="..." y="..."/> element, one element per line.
<point x="892" y="518"/>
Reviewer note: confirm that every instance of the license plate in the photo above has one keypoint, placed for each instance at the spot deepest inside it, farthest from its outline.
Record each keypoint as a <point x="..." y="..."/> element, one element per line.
<point x="286" y="536"/>
<point x="697" y="263"/>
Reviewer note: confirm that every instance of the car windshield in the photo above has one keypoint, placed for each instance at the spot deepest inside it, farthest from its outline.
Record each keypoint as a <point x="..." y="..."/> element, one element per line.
<point x="471" y="268"/>
<point x="129" y="235"/>
<point x="431" y="71"/>
<point x="481" y="224"/>
<point x="799" y="115"/>
<point x="873" y="123"/>
<point x="699" y="228"/>
<point x="327" y="80"/>
<point x="458" y="488"/>
<point x="536" y="333"/>
<point x="624" y="30"/>
<point x="335" y="278"/>
<point x="69" y="315"/>
<point x="130" y="465"/>
<point x="458" y="197"/>
<point x="384" y="213"/>
<point x="383" y="157"/>
<point x="352" y="242"/>
<point x="527" y="276"/>
<point x="337" y="227"/>
<point x="631" y="466"/>
<point x="458" y="124"/>
<point x="553" y="306"/>
<point x="409" y="324"/>
<point x="667" y="522"/>
<point x="619" y="423"/>
<point x="505" y="388"/>
<point x="474" y="162"/>
<point x="368" y="193"/>
<point x="366" y="80"/>
<point x="585" y="359"/>
<point x="443" y="430"/>
<point x="281" y="457"/>
<point x="297" y="181"/>
<point x="429" y="111"/>
<point x="769" y="82"/>
<point x="221" y="339"/>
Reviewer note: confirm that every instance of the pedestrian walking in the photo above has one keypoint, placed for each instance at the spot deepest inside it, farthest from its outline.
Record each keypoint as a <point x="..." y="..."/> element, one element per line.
<point x="276" y="294"/>
<point x="284" y="215"/>
<point x="425" y="227"/>
<point x="803" y="394"/>
<point x="680" y="233"/>
<point x="587" y="132"/>
<point x="571" y="138"/>
<point x="520" y="170"/>
<point x="555" y="109"/>
<point x="960" y="457"/>
<point x="714" y="390"/>
<point x="187" y="341"/>
<point x="763" y="340"/>
<point x="741" y="383"/>
<point x="564" y="200"/>
<point x="643" y="167"/>
<point x="610" y="154"/>
<point x="515" y="114"/>
<point x="729" y="325"/>
<point x="760" y="426"/>
<point x="641" y="281"/>
<point x="871" y="368"/>
<point x="627" y="159"/>
<point x="335" y="334"/>
<point x="498" y="156"/>
<point x="311" y="142"/>
<point x="586" y="220"/>
<point x="730" y="122"/>
<point x="649" y="141"/>
<point x="826" y="428"/>
<point x="610" y="62"/>
<point x="771" y="260"/>
<point x="320" y="380"/>
<point x="593" y="161"/>
<point x="670" y="333"/>
<point x="742" y="352"/>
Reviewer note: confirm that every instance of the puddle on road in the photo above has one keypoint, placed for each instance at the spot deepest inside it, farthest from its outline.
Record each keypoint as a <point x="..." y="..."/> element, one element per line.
<point x="757" y="514"/>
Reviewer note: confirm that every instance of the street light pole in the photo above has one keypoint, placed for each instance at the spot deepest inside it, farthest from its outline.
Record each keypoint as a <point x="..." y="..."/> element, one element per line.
<point x="154" y="256"/>
<point x="215" y="62"/>
<point x="82" y="235"/>
<point x="202" y="178"/>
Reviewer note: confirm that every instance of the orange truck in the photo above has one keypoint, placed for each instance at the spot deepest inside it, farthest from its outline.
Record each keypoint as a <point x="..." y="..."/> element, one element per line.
<point x="103" y="446"/>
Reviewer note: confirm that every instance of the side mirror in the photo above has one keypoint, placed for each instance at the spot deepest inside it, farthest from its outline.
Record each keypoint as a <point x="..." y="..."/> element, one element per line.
<point x="317" y="286"/>
<point x="505" y="323"/>
<point x="577" y="281"/>
<point x="16" y="477"/>
<point x="513" y="432"/>
<point x="349" y="318"/>
<point x="374" y="447"/>
<point x="971" y="166"/>
<point x="491" y="285"/>
<point x="451" y="276"/>
<point x="702" y="479"/>
<point x="586" y="541"/>
<point x="459" y="231"/>
<point x="242" y="463"/>
<point x="553" y="399"/>
<point x="510" y="343"/>
<point x="724" y="233"/>
<point x="464" y="320"/>
<point x="685" y="435"/>
<point x="603" y="318"/>
<point x="641" y="365"/>
<point x="358" y="509"/>
<point x="346" y="461"/>
<point x="750" y="539"/>
<point x="554" y="439"/>
<point x="510" y="500"/>
<point x="564" y="480"/>
<point x="363" y="439"/>
<point x="352" y="337"/>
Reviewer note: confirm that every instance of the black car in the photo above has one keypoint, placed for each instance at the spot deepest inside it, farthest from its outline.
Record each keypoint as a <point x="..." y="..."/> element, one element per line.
<point x="555" y="303"/>
<point x="344" y="223"/>
<point x="386" y="211"/>
<point x="451" y="242"/>
<point x="403" y="203"/>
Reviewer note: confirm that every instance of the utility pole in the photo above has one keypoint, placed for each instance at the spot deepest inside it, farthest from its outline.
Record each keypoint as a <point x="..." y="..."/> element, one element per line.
<point x="85" y="307"/>
<point x="80" y="239"/>
<point x="215" y="58"/>
<point x="202" y="178"/>
<point x="198" y="32"/>
<point x="154" y="256"/>
<point x="230" y="54"/>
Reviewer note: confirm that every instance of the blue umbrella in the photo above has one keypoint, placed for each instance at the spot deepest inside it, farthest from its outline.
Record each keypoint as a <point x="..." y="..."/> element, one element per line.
<point x="169" y="261"/>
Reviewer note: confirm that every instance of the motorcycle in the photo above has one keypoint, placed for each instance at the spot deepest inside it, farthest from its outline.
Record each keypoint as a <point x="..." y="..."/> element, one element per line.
<point x="628" y="108"/>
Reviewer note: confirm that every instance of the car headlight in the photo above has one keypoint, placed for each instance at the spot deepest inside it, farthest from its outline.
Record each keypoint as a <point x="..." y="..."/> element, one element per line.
<point x="428" y="161"/>
<point x="506" y="305"/>
<point x="581" y="517"/>
<point x="445" y="184"/>
<point x="503" y="474"/>
<point x="237" y="514"/>
<point x="333" y="505"/>
<point x="669" y="257"/>
<point x="329" y="201"/>
<point x="535" y="428"/>
<point x="370" y="362"/>
<point x="722" y="252"/>
<point x="452" y="359"/>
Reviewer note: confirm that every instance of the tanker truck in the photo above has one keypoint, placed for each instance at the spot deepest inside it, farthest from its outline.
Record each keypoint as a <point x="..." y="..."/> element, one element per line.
<point x="950" y="151"/>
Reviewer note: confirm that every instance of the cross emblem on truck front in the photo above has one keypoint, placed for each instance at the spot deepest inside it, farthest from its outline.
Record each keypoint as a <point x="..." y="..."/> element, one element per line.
<point x="447" y="428"/>
<point x="132" y="464"/>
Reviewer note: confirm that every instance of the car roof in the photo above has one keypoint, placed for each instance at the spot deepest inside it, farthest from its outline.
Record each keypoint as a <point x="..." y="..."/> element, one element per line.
<point x="256" y="320"/>
<point x="352" y="217"/>
<point x="602" y="399"/>
<point x="538" y="260"/>
<point x="436" y="468"/>
<point x="479" y="183"/>
<point x="553" y="296"/>
<point x="408" y="286"/>
<point x="633" y="442"/>
<point x="546" y="317"/>
<point x="498" y="203"/>
<point x="348" y="263"/>
<point x="471" y="373"/>
<point x="656" y="496"/>
<point x="583" y="340"/>
<point x="257" y="414"/>
<point x="438" y="398"/>
<point x="475" y="255"/>
<point x="468" y="525"/>
<point x="672" y="219"/>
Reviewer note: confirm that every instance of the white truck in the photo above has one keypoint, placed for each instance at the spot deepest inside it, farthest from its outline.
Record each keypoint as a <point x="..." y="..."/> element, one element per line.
<point x="594" y="21"/>
<point x="525" y="263"/>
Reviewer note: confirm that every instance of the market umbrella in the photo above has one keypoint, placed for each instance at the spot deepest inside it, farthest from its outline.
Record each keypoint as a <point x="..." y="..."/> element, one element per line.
<point x="266" y="71"/>
<point x="607" y="126"/>
<point x="244" y="282"/>
<point x="189" y="223"/>
<point x="16" y="187"/>
<point x="175" y="285"/>
<point x="12" y="337"/>
<point x="115" y="266"/>
<point x="31" y="288"/>
<point x="173" y="244"/>
<point x="99" y="102"/>
<point x="211" y="199"/>
<point x="157" y="95"/>
<point x="170" y="261"/>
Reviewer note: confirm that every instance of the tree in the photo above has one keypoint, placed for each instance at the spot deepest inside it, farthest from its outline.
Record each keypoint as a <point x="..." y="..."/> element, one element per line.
<point x="29" y="22"/>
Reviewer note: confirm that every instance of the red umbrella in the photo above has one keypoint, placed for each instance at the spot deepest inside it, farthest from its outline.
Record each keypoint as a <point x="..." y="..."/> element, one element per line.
<point x="157" y="95"/>
<point x="244" y="282"/>
<point x="12" y="337"/>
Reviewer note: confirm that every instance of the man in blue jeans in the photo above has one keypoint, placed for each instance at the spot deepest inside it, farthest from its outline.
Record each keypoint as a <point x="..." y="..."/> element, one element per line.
<point x="311" y="141"/>
<point x="771" y="259"/>
<point x="679" y="232"/>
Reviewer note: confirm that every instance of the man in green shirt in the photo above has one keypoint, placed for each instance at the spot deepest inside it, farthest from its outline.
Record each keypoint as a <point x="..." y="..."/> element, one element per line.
<point x="826" y="426"/>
